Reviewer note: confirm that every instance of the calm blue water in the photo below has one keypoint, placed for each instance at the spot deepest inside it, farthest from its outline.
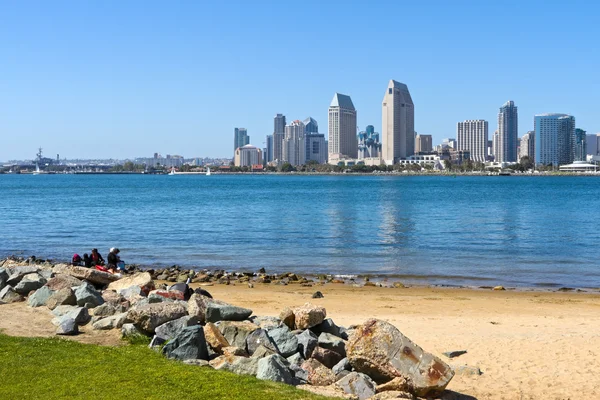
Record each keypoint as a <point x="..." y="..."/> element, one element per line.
<point x="523" y="231"/>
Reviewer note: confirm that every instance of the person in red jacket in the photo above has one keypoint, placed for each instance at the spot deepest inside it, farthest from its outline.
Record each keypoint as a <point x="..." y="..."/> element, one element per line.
<point x="96" y="258"/>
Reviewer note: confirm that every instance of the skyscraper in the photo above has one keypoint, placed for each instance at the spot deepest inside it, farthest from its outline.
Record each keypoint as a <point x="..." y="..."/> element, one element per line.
<point x="278" y="134"/>
<point x="593" y="144"/>
<point x="398" y="123"/>
<point x="423" y="144"/>
<point x="528" y="145"/>
<point x="554" y="137"/>
<point x="316" y="145"/>
<point x="310" y="125"/>
<point x="240" y="138"/>
<point x="472" y="135"/>
<point x="579" y="145"/>
<point x="508" y="133"/>
<point x="342" y="128"/>
<point x="294" y="146"/>
<point x="269" y="149"/>
<point x="368" y="143"/>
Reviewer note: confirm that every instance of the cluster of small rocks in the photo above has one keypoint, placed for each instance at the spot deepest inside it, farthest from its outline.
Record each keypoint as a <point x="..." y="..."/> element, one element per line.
<point x="299" y="347"/>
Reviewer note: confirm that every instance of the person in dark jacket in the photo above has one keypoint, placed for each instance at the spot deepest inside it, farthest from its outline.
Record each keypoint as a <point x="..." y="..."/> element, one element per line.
<point x="96" y="258"/>
<point x="113" y="260"/>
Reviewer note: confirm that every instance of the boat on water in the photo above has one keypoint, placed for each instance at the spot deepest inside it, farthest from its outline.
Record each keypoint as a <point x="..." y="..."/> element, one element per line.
<point x="504" y="173"/>
<point x="207" y="171"/>
<point x="172" y="171"/>
<point x="37" y="169"/>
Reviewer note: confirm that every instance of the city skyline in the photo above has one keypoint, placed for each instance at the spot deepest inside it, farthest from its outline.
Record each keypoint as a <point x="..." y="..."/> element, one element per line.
<point x="125" y="80"/>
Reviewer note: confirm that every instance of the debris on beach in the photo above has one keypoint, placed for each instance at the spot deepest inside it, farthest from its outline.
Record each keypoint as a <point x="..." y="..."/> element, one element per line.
<point x="454" y="353"/>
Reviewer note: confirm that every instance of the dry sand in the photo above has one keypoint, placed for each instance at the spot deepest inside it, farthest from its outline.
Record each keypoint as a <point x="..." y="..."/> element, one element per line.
<point x="529" y="345"/>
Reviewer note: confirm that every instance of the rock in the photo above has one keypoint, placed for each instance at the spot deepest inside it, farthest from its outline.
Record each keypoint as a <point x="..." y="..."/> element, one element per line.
<point x="455" y="353"/>
<point x="113" y="322"/>
<point x="262" y="351"/>
<point x="258" y="338"/>
<point x="465" y="370"/>
<point x="398" y="384"/>
<point x="398" y="285"/>
<point x="171" y="329"/>
<point x="236" y="364"/>
<point x="327" y="357"/>
<point x="17" y="273"/>
<point x="86" y="293"/>
<point x="274" y="368"/>
<point x="295" y="359"/>
<point x="327" y="391"/>
<point x="157" y="296"/>
<point x="61" y="297"/>
<point x="394" y="394"/>
<point x="318" y="374"/>
<point x="106" y="310"/>
<point x="307" y="341"/>
<point x="80" y="315"/>
<point x="89" y="274"/>
<point x="133" y="294"/>
<point x="156" y="342"/>
<point x="211" y="310"/>
<point x="3" y="278"/>
<point x="343" y="365"/>
<point x="150" y="316"/>
<point x="357" y="384"/>
<point x="142" y="280"/>
<point x="285" y="341"/>
<point x="188" y="344"/>
<point x="67" y="326"/>
<point x="112" y="298"/>
<point x="308" y="316"/>
<point x="499" y="288"/>
<point x="8" y="295"/>
<point x="215" y="340"/>
<point x="197" y="363"/>
<point x="62" y="281"/>
<point x="381" y="351"/>
<point x="317" y="295"/>
<point x="266" y="322"/>
<point x="236" y="332"/>
<point x="331" y="342"/>
<point x="40" y="297"/>
<point x="234" y="351"/>
<point x="287" y="318"/>
<point x="328" y="326"/>
<point x="61" y="310"/>
<point x="30" y="282"/>
<point x="130" y="331"/>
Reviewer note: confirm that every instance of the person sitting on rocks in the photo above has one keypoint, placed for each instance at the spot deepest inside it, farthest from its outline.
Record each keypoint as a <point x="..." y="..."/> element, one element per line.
<point x="96" y="258"/>
<point x="114" y="261"/>
<point x="87" y="261"/>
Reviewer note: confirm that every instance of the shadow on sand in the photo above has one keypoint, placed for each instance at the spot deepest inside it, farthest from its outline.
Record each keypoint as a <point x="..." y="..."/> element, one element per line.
<point x="450" y="395"/>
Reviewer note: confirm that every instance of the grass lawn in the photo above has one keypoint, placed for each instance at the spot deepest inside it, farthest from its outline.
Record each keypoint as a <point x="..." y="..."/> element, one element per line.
<point x="52" y="368"/>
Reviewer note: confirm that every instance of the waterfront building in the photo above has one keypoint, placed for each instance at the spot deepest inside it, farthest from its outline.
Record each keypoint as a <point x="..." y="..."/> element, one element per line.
<point x="398" y="123"/>
<point x="508" y="133"/>
<point x="278" y="134"/>
<point x="316" y="147"/>
<point x="240" y="138"/>
<point x="368" y="143"/>
<point x="554" y="137"/>
<point x="294" y="146"/>
<point x="490" y="149"/>
<point x="593" y="144"/>
<point x="527" y="145"/>
<point x="579" y="145"/>
<point x="269" y="149"/>
<point x="496" y="146"/>
<point x="342" y="129"/>
<point x="472" y="135"/>
<point x="310" y="126"/>
<point x="423" y="144"/>
<point x="247" y="156"/>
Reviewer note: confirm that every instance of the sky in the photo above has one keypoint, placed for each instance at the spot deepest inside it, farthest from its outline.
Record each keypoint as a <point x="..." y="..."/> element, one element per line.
<point x="124" y="79"/>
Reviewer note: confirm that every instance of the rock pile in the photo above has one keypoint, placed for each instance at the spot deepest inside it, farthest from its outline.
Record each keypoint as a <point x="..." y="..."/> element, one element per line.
<point x="299" y="347"/>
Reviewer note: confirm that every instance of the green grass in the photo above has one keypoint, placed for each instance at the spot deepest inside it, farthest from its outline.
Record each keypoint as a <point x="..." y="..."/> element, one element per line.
<point x="52" y="368"/>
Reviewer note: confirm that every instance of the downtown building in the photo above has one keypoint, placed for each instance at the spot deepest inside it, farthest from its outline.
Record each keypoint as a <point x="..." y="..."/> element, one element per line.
<point x="278" y="135"/>
<point x="343" y="143"/>
<point x="554" y="138"/>
<point x="527" y="148"/>
<point x="508" y="134"/>
<point x="398" y="124"/>
<point x="472" y="135"/>
<point x="369" y="146"/>
<point x="423" y="144"/>
<point x="248" y="156"/>
<point x="593" y="144"/>
<point x="294" y="145"/>
<point x="240" y="138"/>
<point x="580" y="145"/>
<point x="316" y="145"/>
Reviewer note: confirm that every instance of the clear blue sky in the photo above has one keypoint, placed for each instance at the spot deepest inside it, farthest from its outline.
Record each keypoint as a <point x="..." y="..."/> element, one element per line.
<point x="128" y="78"/>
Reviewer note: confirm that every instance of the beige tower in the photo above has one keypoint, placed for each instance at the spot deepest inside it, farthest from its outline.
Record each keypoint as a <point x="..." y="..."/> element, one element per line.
<point x="398" y="124"/>
<point x="342" y="128"/>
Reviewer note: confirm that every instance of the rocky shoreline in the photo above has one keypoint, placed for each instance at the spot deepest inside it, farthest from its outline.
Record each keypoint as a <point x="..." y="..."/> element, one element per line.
<point x="300" y="346"/>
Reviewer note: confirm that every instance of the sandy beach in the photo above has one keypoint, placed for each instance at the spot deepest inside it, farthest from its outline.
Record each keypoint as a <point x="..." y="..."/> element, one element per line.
<point x="528" y="344"/>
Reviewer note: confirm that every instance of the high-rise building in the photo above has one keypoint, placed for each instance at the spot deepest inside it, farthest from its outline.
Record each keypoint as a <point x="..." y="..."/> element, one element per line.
<point x="593" y="144"/>
<point x="294" y="146"/>
<point x="310" y="125"/>
<point x="269" y="149"/>
<point x="247" y="156"/>
<point x="398" y="123"/>
<point x="527" y="145"/>
<point x="496" y="145"/>
<point x="554" y="137"/>
<point x="423" y="144"/>
<point x="316" y="147"/>
<point x="278" y="134"/>
<point x="472" y="135"/>
<point x="240" y="138"/>
<point x="342" y="128"/>
<point x="579" y="145"/>
<point x="508" y="133"/>
<point x="368" y="143"/>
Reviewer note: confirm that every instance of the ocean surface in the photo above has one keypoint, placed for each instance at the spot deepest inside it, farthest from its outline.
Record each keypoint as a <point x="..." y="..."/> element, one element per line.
<point x="517" y="231"/>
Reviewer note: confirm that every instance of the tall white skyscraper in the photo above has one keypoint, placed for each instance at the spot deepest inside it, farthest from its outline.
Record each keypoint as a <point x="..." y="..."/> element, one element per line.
<point x="342" y="128"/>
<point x="508" y="133"/>
<point x="472" y="135"/>
<point x="294" y="146"/>
<point x="527" y="148"/>
<point x="398" y="123"/>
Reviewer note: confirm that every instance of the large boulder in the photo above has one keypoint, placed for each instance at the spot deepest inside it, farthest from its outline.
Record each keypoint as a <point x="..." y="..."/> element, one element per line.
<point x="40" y="297"/>
<point x="142" y="280"/>
<point x="259" y="338"/>
<point x="236" y="364"/>
<point x="62" y="281"/>
<point x="88" y="274"/>
<point x="30" y="282"/>
<point x="17" y="273"/>
<point x="67" y="326"/>
<point x="318" y="374"/>
<point x="331" y="342"/>
<point x="307" y="342"/>
<point x="274" y="368"/>
<point x="79" y="314"/>
<point x="87" y="294"/>
<point x="107" y="309"/>
<point x="8" y="295"/>
<point x="236" y="332"/>
<point x="308" y="316"/>
<point x="358" y="384"/>
<point x="62" y="297"/>
<point x="328" y="326"/>
<point x="171" y="329"/>
<point x="380" y="350"/>
<point x="188" y="344"/>
<point x="266" y="322"/>
<point x="214" y="338"/>
<point x="327" y="357"/>
<point x="211" y="310"/>
<point x="113" y="322"/>
<point x="285" y="341"/>
<point x="3" y="278"/>
<point x="150" y="316"/>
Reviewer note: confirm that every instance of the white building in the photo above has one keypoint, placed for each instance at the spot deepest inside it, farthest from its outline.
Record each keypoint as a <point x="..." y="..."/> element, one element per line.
<point x="294" y="146"/>
<point x="527" y="145"/>
<point x="342" y="129"/>
<point x="472" y="135"/>
<point x="247" y="156"/>
<point x="398" y="123"/>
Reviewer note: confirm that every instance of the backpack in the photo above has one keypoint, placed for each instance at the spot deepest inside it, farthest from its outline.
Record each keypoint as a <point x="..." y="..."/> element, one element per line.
<point x="76" y="258"/>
